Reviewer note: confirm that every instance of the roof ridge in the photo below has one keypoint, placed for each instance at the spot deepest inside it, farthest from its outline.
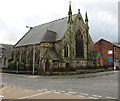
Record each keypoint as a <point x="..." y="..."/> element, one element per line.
<point x="53" y="21"/>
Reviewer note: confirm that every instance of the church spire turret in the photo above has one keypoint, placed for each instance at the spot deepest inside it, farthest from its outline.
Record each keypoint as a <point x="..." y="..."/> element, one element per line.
<point x="86" y="17"/>
<point x="70" y="10"/>
<point x="70" y="14"/>
<point x="87" y="34"/>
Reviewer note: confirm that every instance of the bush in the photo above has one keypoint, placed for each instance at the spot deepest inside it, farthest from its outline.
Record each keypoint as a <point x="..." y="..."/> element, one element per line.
<point x="63" y="69"/>
<point x="12" y="65"/>
<point x="17" y="72"/>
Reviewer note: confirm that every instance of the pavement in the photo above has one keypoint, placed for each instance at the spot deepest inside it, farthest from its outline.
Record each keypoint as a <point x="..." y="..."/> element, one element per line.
<point x="18" y="93"/>
<point x="74" y="76"/>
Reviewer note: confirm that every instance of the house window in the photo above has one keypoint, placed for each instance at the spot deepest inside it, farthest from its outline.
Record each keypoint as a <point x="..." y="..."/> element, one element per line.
<point x="116" y="50"/>
<point x="66" y="50"/>
<point x="79" y="45"/>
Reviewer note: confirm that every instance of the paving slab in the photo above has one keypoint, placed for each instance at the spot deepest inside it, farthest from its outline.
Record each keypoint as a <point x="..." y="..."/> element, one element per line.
<point x="16" y="93"/>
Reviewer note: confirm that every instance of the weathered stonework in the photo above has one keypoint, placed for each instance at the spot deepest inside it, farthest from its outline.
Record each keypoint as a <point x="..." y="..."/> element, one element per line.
<point x="70" y="51"/>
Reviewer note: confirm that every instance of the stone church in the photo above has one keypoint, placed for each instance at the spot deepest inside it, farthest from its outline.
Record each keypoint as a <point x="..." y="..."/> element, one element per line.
<point x="63" y="43"/>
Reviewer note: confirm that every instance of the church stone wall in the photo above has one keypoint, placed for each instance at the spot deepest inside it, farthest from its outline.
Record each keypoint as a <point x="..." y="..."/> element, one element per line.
<point x="27" y="55"/>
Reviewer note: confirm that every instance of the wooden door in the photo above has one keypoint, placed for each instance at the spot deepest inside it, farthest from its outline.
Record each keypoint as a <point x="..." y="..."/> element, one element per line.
<point x="47" y="66"/>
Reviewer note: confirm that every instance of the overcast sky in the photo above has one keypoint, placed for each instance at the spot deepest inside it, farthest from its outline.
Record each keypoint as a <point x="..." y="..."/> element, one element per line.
<point x="16" y="14"/>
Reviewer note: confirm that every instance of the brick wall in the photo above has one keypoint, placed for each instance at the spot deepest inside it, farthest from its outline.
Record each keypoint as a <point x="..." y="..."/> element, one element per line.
<point x="106" y="50"/>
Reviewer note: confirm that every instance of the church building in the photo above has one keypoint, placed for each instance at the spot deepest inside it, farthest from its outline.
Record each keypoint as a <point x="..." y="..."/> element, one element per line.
<point x="63" y="43"/>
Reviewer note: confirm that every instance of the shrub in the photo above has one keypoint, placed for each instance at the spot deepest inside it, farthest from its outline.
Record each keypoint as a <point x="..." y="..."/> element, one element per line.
<point x="12" y="65"/>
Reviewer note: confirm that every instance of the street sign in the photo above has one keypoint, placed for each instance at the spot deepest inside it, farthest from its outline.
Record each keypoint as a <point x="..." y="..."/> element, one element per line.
<point x="110" y="52"/>
<point x="110" y="59"/>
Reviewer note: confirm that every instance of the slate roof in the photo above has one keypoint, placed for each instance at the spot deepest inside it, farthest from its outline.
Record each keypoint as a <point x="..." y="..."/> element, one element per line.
<point x="50" y="36"/>
<point x="36" y="34"/>
<point x="53" y="55"/>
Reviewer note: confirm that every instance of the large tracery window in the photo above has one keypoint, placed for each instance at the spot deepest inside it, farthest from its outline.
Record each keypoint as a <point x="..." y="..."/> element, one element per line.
<point x="79" y="45"/>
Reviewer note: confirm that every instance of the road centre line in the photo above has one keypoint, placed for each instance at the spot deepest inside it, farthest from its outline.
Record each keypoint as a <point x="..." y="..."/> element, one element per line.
<point x="111" y="98"/>
<point x="34" y="95"/>
<point x="96" y="96"/>
<point x="67" y="93"/>
<point x="81" y="96"/>
<point x="83" y="93"/>
<point x="53" y="90"/>
<point x="62" y="91"/>
<point x="92" y="97"/>
<point x="39" y="90"/>
<point x="57" y="92"/>
<point x="72" y="92"/>
<point x="44" y="89"/>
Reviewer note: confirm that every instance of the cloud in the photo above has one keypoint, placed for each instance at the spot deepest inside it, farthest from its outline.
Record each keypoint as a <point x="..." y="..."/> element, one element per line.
<point x="16" y="14"/>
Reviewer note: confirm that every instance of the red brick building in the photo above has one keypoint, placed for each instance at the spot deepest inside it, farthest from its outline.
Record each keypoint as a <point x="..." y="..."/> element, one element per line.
<point x="110" y="52"/>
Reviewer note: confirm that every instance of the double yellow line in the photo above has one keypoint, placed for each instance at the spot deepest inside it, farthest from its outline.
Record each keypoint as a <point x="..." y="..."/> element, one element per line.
<point x="4" y="86"/>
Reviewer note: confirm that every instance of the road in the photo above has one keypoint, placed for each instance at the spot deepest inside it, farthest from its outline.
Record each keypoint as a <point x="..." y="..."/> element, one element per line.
<point x="101" y="87"/>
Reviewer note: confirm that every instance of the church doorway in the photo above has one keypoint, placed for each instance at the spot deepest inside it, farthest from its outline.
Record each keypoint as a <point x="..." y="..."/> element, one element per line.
<point x="47" y="66"/>
<point x="67" y="65"/>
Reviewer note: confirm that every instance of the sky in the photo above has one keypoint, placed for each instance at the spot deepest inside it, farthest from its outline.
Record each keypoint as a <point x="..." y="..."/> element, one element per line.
<point x="15" y="15"/>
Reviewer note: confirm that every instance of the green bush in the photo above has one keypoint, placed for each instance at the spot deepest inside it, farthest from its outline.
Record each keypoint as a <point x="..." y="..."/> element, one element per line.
<point x="17" y="72"/>
<point x="12" y="65"/>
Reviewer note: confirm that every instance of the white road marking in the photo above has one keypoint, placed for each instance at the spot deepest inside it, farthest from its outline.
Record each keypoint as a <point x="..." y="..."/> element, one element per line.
<point x="34" y="95"/>
<point x="83" y="94"/>
<point x="1" y="96"/>
<point x="72" y="92"/>
<point x="96" y="96"/>
<point x="39" y="90"/>
<point x="69" y="89"/>
<point x="44" y="89"/>
<point x="53" y="90"/>
<point x="93" y="98"/>
<point x="62" y="91"/>
<point x="67" y="93"/>
<point x="57" y="92"/>
<point x="111" y="98"/>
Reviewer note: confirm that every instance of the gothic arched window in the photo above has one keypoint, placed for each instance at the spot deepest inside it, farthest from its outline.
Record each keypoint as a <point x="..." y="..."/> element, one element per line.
<point x="79" y="45"/>
<point x="66" y="50"/>
<point x="30" y="55"/>
<point x="37" y="56"/>
<point x="23" y="56"/>
<point x="18" y="55"/>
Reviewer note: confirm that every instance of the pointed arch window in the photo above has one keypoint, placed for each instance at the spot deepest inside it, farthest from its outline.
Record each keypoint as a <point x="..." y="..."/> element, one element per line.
<point x="79" y="45"/>
<point x="37" y="56"/>
<point x="66" y="50"/>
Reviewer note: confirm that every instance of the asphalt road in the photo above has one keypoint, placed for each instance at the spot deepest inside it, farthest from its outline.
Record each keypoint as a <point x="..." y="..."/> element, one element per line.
<point x="102" y="87"/>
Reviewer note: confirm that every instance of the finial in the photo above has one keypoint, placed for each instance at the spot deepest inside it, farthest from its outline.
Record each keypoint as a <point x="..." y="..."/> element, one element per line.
<point x="69" y="2"/>
<point x="86" y="17"/>
<point x="78" y="10"/>
<point x="70" y="11"/>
